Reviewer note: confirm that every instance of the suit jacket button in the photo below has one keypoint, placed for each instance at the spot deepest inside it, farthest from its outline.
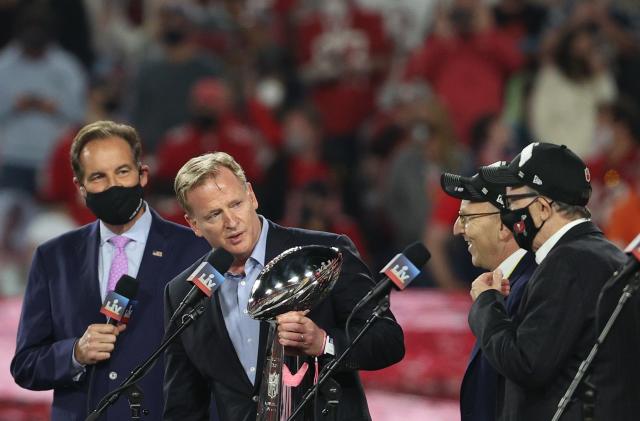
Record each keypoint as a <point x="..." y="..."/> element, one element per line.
<point x="254" y="398"/>
<point x="113" y="375"/>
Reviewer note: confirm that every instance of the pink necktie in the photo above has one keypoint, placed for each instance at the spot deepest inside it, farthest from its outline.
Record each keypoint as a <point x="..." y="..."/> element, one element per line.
<point x="119" y="264"/>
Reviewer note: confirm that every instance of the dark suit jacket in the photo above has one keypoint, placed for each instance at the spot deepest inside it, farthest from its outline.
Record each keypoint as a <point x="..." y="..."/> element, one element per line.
<point x="204" y="360"/>
<point x="62" y="298"/>
<point x="540" y="349"/>
<point x="481" y="381"/>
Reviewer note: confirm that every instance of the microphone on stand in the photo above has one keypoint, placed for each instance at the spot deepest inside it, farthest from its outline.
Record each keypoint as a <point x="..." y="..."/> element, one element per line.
<point x="206" y="279"/>
<point x="398" y="273"/>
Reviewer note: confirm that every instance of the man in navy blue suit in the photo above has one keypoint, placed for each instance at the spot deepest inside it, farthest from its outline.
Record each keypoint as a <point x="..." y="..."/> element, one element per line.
<point x="492" y="247"/>
<point x="63" y="341"/>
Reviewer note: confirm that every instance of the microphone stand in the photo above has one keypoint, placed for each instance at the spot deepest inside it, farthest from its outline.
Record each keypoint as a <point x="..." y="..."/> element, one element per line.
<point x="135" y="395"/>
<point x="331" y="367"/>
<point x="627" y="292"/>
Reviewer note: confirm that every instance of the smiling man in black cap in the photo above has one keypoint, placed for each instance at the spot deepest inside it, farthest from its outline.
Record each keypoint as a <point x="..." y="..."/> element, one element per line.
<point x="492" y="247"/>
<point x="539" y="350"/>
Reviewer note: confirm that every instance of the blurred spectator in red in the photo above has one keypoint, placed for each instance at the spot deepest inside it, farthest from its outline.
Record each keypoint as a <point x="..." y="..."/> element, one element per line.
<point x="614" y="168"/>
<point x="317" y="206"/>
<point x="343" y="53"/>
<point x="56" y="184"/>
<point x="213" y="126"/>
<point x="573" y="80"/>
<point x="161" y="89"/>
<point x="467" y="60"/>
<point x="297" y="164"/>
<point x="522" y="20"/>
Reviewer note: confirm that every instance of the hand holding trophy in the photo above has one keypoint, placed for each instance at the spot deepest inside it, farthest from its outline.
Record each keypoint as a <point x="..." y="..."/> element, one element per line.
<point x="296" y="280"/>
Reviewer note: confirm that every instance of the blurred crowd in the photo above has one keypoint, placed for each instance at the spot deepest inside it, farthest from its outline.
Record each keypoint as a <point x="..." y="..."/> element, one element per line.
<point x="342" y="112"/>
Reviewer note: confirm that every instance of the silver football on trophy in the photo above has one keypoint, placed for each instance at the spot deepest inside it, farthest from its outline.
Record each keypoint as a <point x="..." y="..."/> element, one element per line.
<point x="295" y="280"/>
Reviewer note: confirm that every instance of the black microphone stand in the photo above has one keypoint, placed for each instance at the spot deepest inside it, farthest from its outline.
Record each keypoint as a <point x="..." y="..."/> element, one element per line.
<point x="627" y="292"/>
<point x="331" y="367"/>
<point x="135" y="395"/>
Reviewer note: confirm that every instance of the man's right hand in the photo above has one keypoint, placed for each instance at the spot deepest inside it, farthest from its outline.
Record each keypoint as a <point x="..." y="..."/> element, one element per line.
<point x="96" y="343"/>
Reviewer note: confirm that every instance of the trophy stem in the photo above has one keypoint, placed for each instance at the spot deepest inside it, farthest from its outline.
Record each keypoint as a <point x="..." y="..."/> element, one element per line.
<point x="270" y="400"/>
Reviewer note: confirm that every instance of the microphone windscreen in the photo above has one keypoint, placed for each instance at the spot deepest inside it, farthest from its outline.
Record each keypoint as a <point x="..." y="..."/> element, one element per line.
<point x="221" y="260"/>
<point x="127" y="287"/>
<point x="417" y="254"/>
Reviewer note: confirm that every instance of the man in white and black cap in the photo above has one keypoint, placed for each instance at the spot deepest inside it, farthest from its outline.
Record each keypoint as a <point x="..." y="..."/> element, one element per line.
<point x="540" y="349"/>
<point x="492" y="247"/>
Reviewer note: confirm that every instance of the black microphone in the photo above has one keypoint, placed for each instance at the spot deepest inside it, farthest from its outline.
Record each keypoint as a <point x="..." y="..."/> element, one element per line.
<point x="206" y="279"/>
<point x="118" y="304"/>
<point x="400" y="271"/>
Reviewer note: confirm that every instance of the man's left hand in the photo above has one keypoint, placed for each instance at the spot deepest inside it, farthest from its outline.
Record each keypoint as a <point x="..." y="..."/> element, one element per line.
<point x="487" y="281"/>
<point x="299" y="334"/>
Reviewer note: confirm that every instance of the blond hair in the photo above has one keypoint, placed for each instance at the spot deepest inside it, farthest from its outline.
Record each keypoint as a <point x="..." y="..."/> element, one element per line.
<point x="199" y="169"/>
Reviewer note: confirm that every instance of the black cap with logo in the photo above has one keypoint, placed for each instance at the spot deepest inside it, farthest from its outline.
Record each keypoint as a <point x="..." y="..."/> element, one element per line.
<point x="474" y="189"/>
<point x="552" y="170"/>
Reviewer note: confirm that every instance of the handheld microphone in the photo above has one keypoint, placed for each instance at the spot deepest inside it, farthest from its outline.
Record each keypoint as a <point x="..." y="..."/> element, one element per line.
<point x="206" y="279"/>
<point x="118" y="304"/>
<point x="400" y="271"/>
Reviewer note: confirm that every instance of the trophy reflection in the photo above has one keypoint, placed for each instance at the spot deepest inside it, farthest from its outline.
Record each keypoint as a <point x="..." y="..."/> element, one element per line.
<point x="296" y="280"/>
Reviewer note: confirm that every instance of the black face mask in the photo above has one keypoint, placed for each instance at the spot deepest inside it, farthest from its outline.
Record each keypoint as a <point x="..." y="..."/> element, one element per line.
<point x="34" y="39"/>
<point x="205" y="121"/>
<point x="520" y="223"/>
<point x="117" y="205"/>
<point x="173" y="36"/>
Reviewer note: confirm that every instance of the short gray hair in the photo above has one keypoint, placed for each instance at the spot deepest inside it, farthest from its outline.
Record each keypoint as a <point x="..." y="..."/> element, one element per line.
<point x="567" y="210"/>
<point x="199" y="169"/>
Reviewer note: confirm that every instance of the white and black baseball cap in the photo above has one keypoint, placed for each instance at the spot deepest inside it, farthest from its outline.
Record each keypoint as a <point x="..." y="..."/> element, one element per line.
<point x="474" y="189"/>
<point x="553" y="170"/>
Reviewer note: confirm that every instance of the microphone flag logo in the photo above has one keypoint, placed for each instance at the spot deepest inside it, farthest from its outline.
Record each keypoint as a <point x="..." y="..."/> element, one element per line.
<point x="114" y="306"/>
<point x="400" y="271"/>
<point x="205" y="277"/>
<point x="126" y="316"/>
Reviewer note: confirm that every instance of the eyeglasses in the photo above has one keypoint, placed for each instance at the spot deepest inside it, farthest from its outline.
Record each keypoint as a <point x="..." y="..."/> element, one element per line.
<point x="510" y="198"/>
<point x="466" y="217"/>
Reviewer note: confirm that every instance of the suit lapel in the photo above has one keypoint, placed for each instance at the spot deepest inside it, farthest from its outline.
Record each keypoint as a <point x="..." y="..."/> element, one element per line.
<point x="88" y="285"/>
<point x="216" y="319"/>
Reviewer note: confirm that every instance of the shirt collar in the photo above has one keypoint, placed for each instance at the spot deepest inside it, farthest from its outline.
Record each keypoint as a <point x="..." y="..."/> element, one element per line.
<point x="260" y="249"/>
<point x="509" y="264"/>
<point x="138" y="232"/>
<point x="546" y="247"/>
